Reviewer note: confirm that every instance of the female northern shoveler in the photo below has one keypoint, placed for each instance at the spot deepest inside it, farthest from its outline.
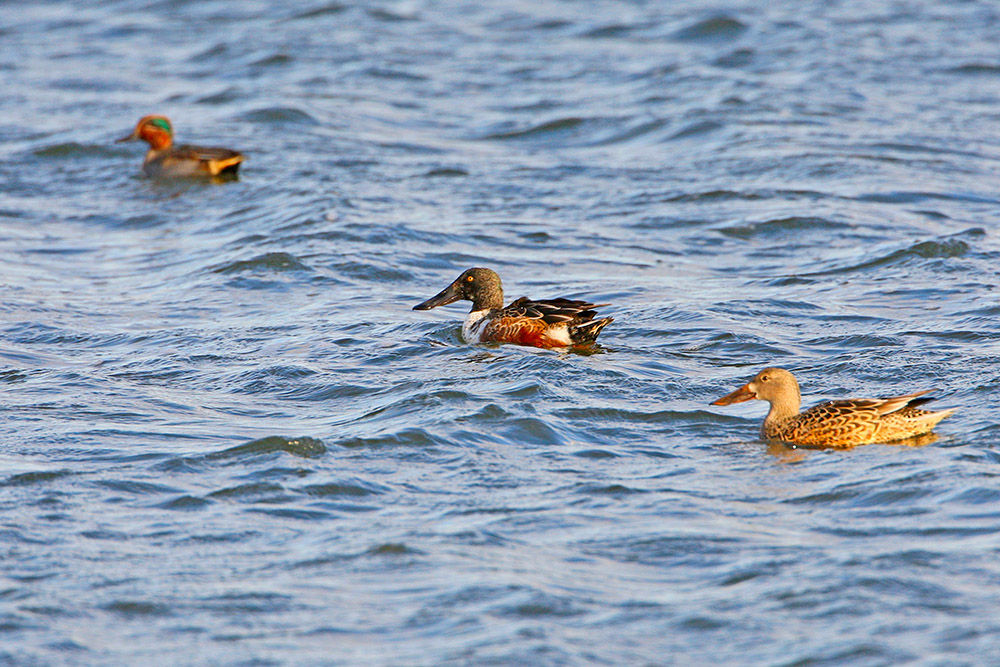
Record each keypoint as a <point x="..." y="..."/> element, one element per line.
<point x="552" y="323"/>
<point x="163" y="159"/>
<point x="845" y="423"/>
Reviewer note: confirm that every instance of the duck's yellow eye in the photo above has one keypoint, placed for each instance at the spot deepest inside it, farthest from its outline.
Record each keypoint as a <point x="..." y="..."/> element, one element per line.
<point x="471" y="278"/>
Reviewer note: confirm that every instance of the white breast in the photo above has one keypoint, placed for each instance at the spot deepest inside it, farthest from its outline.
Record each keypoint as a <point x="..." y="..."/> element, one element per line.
<point x="473" y="327"/>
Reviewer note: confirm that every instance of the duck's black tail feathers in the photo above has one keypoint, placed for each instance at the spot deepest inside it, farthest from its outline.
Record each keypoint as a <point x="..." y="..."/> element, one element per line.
<point x="587" y="332"/>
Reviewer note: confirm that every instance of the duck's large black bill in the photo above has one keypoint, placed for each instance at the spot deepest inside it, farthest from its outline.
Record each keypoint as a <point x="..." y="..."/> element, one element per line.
<point x="449" y="294"/>
<point x="127" y="137"/>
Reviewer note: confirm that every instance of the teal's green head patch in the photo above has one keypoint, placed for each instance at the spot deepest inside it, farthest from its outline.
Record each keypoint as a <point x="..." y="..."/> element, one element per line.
<point x="163" y="124"/>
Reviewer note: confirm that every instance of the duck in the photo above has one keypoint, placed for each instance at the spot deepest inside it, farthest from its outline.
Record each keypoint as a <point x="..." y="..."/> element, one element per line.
<point x="841" y="423"/>
<point x="164" y="160"/>
<point x="549" y="323"/>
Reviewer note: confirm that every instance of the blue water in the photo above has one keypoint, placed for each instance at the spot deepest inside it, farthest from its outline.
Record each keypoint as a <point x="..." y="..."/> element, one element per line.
<point x="227" y="439"/>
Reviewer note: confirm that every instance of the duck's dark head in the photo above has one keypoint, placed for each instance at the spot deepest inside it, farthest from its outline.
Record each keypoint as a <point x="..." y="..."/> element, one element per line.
<point x="480" y="286"/>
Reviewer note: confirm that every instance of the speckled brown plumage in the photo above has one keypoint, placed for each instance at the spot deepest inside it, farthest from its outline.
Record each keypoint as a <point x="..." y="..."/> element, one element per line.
<point x="843" y="423"/>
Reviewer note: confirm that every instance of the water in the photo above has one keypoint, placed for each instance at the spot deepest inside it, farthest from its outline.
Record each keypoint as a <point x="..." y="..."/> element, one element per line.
<point x="226" y="438"/>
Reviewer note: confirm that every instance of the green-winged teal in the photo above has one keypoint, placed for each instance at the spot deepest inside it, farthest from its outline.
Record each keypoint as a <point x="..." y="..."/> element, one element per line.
<point x="164" y="160"/>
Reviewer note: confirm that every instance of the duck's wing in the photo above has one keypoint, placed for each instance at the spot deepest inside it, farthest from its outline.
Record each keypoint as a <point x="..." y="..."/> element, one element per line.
<point x="845" y="421"/>
<point x="552" y="311"/>
<point x="214" y="159"/>
<point x="886" y="405"/>
<point x="851" y="413"/>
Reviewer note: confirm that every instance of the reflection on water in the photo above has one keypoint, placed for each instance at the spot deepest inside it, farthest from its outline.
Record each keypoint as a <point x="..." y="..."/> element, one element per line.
<point x="790" y="453"/>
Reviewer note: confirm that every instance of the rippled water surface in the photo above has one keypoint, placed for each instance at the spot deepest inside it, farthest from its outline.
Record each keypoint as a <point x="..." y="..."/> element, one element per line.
<point x="226" y="438"/>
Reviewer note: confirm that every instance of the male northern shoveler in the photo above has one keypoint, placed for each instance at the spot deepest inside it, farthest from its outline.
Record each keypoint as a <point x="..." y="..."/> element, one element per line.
<point x="844" y="423"/>
<point x="551" y="323"/>
<point x="163" y="159"/>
